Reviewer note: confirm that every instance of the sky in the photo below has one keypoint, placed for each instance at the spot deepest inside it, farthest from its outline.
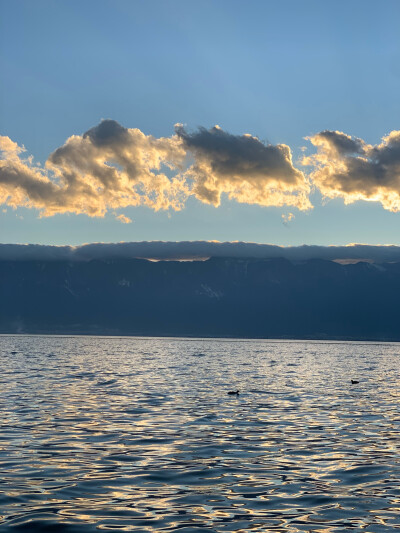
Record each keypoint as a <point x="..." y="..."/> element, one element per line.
<point x="259" y="121"/>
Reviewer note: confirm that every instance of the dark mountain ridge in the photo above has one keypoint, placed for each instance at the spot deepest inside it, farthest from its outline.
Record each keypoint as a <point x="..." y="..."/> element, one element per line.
<point x="232" y="297"/>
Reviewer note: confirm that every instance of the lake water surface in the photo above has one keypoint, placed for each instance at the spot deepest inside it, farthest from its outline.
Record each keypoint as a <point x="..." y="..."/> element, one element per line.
<point x="139" y="434"/>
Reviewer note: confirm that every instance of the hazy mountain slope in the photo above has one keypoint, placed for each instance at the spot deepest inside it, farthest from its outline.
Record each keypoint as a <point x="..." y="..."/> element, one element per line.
<point x="226" y="297"/>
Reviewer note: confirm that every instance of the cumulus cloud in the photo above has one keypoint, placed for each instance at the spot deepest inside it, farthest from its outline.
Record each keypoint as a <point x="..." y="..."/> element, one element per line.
<point x="108" y="167"/>
<point x="111" y="167"/>
<point x="21" y="182"/>
<point x="349" y="168"/>
<point x="197" y="250"/>
<point x="244" y="168"/>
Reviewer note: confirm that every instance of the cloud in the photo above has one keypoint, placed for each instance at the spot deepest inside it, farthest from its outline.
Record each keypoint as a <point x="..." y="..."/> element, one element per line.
<point x="108" y="167"/>
<point x="244" y="168"/>
<point x="348" y="168"/>
<point x="111" y="167"/>
<point x="124" y="219"/>
<point x="196" y="250"/>
<point x="287" y="218"/>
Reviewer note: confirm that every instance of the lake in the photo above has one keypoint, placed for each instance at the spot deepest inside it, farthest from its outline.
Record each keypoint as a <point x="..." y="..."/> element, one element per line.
<point x="140" y="434"/>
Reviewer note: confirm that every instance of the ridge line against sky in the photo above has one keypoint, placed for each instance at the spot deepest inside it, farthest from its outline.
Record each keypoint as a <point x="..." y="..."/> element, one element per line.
<point x="111" y="167"/>
<point x="159" y="250"/>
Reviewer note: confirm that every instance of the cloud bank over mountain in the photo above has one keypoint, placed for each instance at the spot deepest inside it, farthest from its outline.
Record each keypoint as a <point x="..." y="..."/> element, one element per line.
<point x="197" y="250"/>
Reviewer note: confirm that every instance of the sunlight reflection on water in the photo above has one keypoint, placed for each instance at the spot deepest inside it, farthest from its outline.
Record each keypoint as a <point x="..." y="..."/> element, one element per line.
<point x="140" y="435"/>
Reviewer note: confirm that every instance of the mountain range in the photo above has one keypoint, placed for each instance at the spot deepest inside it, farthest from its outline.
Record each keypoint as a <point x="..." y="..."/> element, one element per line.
<point x="218" y="297"/>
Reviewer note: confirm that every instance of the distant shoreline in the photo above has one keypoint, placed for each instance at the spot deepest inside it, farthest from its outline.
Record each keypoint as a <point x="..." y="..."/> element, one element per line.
<point x="219" y="298"/>
<point x="74" y="333"/>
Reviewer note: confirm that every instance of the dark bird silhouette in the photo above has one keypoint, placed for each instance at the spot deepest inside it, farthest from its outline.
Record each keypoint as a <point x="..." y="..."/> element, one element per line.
<point x="232" y="392"/>
<point x="354" y="382"/>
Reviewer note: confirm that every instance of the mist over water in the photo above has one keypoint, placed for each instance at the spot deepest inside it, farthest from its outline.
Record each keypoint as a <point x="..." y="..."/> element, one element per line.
<point x="137" y="434"/>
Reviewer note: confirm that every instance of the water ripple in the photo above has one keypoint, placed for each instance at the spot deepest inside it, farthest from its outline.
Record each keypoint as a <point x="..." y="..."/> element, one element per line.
<point x="140" y="435"/>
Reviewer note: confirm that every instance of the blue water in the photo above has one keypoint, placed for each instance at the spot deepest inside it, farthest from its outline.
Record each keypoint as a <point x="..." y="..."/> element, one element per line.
<point x="140" y="435"/>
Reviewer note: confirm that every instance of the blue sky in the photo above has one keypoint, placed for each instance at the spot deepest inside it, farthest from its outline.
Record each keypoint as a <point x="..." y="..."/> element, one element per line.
<point x="279" y="71"/>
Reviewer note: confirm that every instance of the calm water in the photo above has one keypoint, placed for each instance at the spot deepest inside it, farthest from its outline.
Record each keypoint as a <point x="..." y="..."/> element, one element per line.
<point x="140" y="435"/>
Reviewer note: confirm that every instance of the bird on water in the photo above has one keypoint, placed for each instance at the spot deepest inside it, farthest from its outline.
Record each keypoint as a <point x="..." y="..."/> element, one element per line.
<point x="354" y="382"/>
<point x="232" y="392"/>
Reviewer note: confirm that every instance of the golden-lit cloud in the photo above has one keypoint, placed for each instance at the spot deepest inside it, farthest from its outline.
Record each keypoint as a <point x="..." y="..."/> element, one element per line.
<point x="124" y="219"/>
<point x="111" y="167"/>
<point x="347" y="167"/>
<point x="287" y="218"/>
<point x="108" y="167"/>
<point x="244" y="168"/>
